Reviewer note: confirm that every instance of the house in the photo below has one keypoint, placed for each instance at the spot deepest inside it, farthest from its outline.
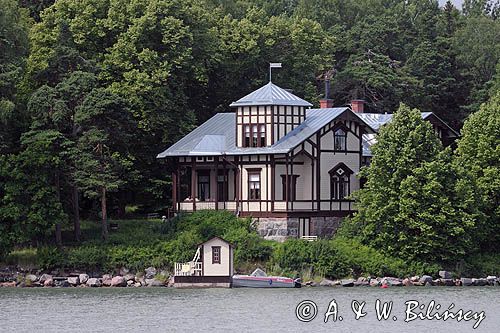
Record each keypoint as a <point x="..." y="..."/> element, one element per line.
<point x="212" y="266"/>
<point x="276" y="159"/>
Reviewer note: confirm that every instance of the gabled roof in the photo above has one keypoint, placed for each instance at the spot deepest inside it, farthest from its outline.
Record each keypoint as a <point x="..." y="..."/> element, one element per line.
<point x="217" y="136"/>
<point x="216" y="237"/>
<point x="377" y="120"/>
<point x="270" y="94"/>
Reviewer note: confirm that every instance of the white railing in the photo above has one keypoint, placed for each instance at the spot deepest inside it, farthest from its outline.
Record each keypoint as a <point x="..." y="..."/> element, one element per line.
<point x="309" y="238"/>
<point x="187" y="268"/>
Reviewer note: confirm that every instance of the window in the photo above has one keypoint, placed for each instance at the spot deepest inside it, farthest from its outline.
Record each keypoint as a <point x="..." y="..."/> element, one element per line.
<point x="203" y="185"/>
<point x="340" y="186"/>
<point x="255" y="136"/>
<point x="262" y="135"/>
<point x="340" y="139"/>
<point x="246" y="139"/>
<point x="215" y="254"/>
<point x="254" y="185"/>
<point x="292" y="187"/>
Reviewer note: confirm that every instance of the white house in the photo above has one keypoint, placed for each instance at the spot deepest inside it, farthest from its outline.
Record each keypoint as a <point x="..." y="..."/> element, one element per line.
<point x="212" y="266"/>
<point x="274" y="158"/>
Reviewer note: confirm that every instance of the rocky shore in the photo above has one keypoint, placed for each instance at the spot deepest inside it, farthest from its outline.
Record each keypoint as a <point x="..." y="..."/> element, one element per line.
<point x="445" y="279"/>
<point x="150" y="277"/>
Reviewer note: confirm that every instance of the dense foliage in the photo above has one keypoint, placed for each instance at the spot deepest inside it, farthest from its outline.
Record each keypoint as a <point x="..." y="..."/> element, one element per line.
<point x="91" y="91"/>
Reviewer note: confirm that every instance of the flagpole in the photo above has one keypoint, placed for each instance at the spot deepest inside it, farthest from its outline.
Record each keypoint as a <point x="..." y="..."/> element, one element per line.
<point x="271" y="66"/>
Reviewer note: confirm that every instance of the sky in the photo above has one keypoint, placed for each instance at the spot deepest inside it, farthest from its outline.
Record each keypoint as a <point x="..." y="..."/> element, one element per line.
<point x="457" y="3"/>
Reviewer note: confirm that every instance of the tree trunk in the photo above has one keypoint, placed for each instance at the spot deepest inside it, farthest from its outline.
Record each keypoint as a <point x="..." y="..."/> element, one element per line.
<point x="76" y="213"/>
<point x="58" y="225"/>
<point x="104" y="214"/>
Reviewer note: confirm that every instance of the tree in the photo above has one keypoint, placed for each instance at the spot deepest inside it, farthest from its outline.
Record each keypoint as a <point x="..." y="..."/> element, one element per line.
<point x="14" y="25"/>
<point x="478" y="164"/>
<point x="407" y="205"/>
<point x="31" y="205"/>
<point x="102" y="161"/>
<point x="478" y="48"/>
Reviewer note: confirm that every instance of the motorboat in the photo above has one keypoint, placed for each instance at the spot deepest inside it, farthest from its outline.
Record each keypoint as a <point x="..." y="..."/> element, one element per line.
<point x="259" y="279"/>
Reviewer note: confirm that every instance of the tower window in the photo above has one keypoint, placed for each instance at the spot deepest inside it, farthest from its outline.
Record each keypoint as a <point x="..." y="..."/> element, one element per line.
<point x="246" y="136"/>
<point x="255" y="136"/>
<point x="262" y="135"/>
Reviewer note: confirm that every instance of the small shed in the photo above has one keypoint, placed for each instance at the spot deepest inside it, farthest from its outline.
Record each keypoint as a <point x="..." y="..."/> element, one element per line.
<point x="212" y="266"/>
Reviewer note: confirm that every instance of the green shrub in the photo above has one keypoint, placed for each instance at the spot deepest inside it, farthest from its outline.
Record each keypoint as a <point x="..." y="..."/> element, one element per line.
<point x="51" y="257"/>
<point x="87" y="257"/>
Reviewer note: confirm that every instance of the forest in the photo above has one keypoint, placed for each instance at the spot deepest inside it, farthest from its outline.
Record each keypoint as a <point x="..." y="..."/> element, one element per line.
<point x="92" y="90"/>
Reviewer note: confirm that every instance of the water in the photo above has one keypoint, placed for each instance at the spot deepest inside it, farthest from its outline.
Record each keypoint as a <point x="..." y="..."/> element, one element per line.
<point x="237" y="310"/>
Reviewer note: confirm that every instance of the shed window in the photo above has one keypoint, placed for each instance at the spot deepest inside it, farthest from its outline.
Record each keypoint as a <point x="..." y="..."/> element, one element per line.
<point x="254" y="185"/>
<point x="340" y="139"/>
<point x="215" y="254"/>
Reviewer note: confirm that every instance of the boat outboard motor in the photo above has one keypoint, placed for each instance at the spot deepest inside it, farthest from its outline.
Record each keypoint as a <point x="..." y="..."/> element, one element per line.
<point x="297" y="281"/>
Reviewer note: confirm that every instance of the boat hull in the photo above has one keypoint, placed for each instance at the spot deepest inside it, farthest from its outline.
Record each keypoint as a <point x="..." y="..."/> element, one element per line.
<point x="262" y="282"/>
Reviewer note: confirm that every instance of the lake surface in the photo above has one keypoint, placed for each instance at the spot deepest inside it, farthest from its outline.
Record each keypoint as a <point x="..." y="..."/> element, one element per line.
<point x="237" y="310"/>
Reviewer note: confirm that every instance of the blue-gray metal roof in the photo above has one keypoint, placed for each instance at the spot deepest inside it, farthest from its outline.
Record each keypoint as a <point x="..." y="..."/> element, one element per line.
<point x="270" y="94"/>
<point x="377" y="120"/>
<point x="217" y="136"/>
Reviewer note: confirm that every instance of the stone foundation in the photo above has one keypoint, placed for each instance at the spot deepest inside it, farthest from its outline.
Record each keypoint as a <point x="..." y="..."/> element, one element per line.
<point x="281" y="228"/>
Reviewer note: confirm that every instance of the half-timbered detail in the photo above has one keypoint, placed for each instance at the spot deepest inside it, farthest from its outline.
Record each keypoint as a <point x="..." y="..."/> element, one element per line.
<point x="290" y="167"/>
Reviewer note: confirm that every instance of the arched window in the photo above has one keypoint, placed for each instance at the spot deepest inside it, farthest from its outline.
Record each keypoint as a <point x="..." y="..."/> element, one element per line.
<point x="340" y="140"/>
<point x="340" y="182"/>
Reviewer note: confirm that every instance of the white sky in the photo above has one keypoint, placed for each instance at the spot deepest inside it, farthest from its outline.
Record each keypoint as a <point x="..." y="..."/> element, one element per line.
<point x="457" y="3"/>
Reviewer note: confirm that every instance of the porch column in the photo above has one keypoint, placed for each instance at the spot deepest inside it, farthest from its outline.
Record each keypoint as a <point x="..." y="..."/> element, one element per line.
<point x="174" y="191"/>
<point x="216" y="181"/>
<point x="193" y="182"/>
<point x="273" y="196"/>
<point x="237" y="177"/>
<point x="287" y="188"/>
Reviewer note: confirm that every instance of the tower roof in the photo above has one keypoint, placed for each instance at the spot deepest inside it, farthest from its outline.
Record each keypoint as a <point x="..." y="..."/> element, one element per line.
<point x="270" y="94"/>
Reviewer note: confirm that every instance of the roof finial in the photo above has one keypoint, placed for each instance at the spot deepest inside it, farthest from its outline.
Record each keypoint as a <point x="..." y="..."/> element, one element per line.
<point x="273" y="65"/>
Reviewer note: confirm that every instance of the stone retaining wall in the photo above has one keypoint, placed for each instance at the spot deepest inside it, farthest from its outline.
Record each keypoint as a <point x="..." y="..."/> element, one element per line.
<point x="281" y="228"/>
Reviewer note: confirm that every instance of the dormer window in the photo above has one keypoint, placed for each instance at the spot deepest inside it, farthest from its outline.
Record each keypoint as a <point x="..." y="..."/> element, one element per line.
<point x="340" y="140"/>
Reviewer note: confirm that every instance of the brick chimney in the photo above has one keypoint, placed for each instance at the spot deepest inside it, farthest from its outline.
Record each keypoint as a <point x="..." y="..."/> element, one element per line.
<point x="326" y="102"/>
<point x="358" y="105"/>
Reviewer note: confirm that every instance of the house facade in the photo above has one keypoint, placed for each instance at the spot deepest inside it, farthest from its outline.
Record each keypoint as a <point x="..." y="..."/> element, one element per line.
<point x="276" y="159"/>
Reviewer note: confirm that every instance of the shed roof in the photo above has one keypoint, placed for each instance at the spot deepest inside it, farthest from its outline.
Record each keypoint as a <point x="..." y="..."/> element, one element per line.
<point x="270" y="94"/>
